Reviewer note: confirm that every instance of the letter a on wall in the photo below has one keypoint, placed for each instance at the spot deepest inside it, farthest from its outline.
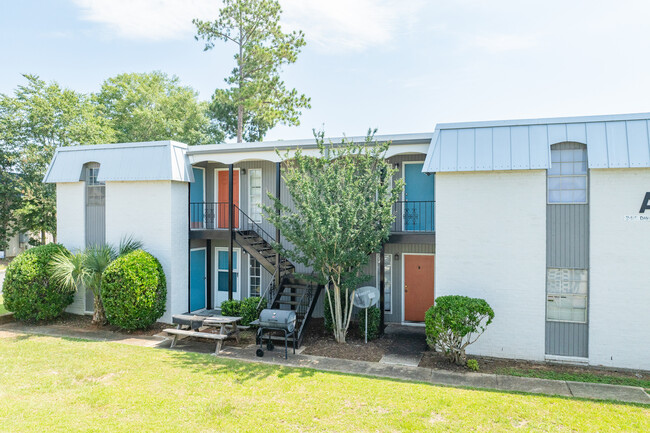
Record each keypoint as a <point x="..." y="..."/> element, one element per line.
<point x="646" y="203"/>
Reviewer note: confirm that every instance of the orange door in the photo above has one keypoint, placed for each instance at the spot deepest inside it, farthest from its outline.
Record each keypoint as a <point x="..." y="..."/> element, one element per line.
<point x="418" y="286"/>
<point x="222" y="198"/>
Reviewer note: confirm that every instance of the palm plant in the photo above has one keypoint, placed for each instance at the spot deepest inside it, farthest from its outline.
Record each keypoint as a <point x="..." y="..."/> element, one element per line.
<point x="86" y="269"/>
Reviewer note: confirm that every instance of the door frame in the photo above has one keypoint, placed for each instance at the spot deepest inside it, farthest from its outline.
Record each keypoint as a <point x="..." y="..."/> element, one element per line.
<point x="216" y="190"/>
<point x="404" y="322"/>
<point x="205" y="185"/>
<point x="404" y="163"/>
<point x="216" y="273"/>
<point x="205" y="277"/>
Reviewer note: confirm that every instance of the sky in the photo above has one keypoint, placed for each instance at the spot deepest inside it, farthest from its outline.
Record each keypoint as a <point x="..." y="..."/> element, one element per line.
<point x="399" y="66"/>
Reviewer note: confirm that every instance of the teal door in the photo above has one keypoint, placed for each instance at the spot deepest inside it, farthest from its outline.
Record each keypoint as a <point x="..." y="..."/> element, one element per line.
<point x="222" y="276"/>
<point x="197" y="198"/>
<point x="418" y="195"/>
<point x="197" y="280"/>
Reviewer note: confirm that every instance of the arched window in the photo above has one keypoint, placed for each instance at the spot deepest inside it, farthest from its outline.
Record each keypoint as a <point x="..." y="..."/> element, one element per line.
<point x="567" y="177"/>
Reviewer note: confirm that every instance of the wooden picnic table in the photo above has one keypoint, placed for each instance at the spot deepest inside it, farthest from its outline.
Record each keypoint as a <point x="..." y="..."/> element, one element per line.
<point x="227" y="327"/>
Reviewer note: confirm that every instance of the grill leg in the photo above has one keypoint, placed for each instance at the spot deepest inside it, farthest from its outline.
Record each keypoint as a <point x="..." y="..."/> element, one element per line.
<point x="286" y="352"/>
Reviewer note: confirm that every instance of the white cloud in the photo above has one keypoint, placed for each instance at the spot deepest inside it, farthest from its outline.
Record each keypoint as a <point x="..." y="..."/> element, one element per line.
<point x="329" y="24"/>
<point x="152" y="20"/>
<point x="351" y="25"/>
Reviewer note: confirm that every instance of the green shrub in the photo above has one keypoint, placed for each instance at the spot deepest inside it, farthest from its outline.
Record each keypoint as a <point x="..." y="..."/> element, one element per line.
<point x="231" y="308"/>
<point x="249" y="310"/>
<point x="134" y="291"/>
<point x="29" y="290"/>
<point x="455" y="322"/>
<point x="374" y="316"/>
<point x="472" y="364"/>
<point x="246" y="309"/>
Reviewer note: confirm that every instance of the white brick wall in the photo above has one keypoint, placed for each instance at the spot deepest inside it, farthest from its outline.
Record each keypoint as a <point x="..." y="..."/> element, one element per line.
<point x="619" y="304"/>
<point x="491" y="244"/>
<point x="154" y="212"/>
<point x="70" y="227"/>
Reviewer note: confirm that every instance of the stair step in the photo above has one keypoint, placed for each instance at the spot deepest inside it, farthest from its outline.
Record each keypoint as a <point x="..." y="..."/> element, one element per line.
<point x="280" y="301"/>
<point x="295" y="286"/>
<point x="293" y="295"/>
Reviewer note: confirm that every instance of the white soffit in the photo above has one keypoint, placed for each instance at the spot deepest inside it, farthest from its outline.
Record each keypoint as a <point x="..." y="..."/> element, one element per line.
<point x="617" y="141"/>
<point x="154" y="160"/>
<point x="230" y="153"/>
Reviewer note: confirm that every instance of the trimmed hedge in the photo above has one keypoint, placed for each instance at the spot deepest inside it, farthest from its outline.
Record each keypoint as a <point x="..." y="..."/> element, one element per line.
<point x="374" y="317"/>
<point x="455" y="322"/>
<point x="29" y="290"/>
<point x="247" y="309"/>
<point x="134" y="291"/>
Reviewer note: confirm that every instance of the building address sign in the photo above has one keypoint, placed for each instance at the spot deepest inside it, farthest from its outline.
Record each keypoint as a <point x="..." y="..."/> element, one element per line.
<point x="645" y="206"/>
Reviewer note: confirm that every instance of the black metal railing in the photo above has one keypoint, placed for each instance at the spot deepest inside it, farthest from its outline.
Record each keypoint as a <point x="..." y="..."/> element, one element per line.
<point x="410" y="216"/>
<point x="210" y="215"/>
<point x="414" y="216"/>
<point x="245" y="223"/>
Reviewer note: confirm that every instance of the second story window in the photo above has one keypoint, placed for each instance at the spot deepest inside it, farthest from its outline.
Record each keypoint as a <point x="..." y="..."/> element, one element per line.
<point x="567" y="177"/>
<point x="255" y="194"/>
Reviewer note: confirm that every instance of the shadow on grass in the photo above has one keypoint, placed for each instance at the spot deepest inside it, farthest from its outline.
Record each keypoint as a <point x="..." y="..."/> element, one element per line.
<point x="243" y="371"/>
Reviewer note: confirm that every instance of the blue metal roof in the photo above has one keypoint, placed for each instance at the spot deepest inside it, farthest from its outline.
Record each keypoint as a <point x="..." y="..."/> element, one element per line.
<point x="617" y="141"/>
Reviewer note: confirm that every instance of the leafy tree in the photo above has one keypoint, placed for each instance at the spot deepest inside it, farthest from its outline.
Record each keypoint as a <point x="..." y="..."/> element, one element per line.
<point x="37" y="119"/>
<point x="256" y="94"/>
<point x="342" y="213"/>
<point x="153" y="106"/>
<point x="86" y="269"/>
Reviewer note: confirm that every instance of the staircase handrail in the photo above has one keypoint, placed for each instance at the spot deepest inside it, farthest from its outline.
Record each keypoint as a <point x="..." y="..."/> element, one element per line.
<point x="268" y="288"/>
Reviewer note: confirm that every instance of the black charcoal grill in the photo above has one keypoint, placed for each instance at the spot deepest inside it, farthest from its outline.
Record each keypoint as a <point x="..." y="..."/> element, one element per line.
<point x="276" y="320"/>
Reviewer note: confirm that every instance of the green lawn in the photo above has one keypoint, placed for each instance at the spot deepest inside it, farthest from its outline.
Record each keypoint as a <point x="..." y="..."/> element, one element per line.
<point x="578" y="377"/>
<point x="2" y="306"/>
<point x="50" y="384"/>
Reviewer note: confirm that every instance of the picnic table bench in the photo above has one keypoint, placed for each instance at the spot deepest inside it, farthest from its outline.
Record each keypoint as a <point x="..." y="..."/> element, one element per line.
<point x="227" y="328"/>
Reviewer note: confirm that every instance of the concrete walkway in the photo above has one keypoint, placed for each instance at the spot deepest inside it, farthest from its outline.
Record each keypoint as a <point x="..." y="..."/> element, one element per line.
<point x="596" y="391"/>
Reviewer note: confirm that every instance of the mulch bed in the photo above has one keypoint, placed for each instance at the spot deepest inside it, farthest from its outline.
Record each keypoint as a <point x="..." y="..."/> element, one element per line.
<point x="489" y="365"/>
<point x="319" y="342"/>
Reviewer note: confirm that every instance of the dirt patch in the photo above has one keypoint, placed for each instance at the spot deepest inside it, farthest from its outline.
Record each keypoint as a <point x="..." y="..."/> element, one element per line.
<point x="436" y="360"/>
<point x="84" y="323"/>
<point x="319" y="342"/>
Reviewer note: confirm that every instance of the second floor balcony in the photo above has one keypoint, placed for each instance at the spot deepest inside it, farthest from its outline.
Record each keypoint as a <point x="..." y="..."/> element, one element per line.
<point x="412" y="217"/>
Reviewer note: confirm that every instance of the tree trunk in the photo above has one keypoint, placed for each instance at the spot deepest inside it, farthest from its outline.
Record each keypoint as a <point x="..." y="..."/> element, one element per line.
<point x="99" y="315"/>
<point x="240" y="123"/>
<point x="42" y="237"/>
<point x="240" y="106"/>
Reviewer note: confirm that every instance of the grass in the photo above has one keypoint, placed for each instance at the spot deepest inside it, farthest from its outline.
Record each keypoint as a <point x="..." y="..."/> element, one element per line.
<point x="50" y="384"/>
<point x="2" y="306"/>
<point x="577" y="377"/>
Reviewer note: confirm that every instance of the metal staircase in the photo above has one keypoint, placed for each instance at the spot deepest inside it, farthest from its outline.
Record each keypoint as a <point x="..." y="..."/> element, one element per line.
<point x="299" y="295"/>
<point x="294" y="293"/>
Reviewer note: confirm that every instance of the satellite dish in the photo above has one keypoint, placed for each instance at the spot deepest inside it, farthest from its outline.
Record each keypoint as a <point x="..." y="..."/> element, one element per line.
<point x="365" y="297"/>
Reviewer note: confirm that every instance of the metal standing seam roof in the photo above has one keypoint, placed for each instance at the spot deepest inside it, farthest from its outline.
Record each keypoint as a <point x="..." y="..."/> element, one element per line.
<point x="616" y="141"/>
<point x="153" y="160"/>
